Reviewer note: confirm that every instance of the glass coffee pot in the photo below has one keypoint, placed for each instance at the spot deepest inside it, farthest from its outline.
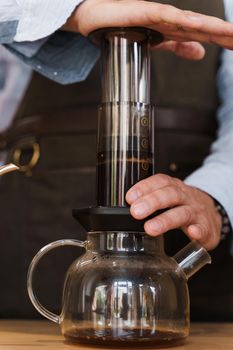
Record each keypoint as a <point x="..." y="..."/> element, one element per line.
<point x="123" y="290"/>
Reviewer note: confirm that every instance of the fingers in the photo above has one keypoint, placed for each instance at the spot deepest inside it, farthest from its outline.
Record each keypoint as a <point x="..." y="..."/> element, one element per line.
<point x="149" y="185"/>
<point x="204" y="234"/>
<point x="189" y="26"/>
<point x="165" y="197"/>
<point x="184" y="218"/>
<point x="169" y="220"/>
<point x="224" y="41"/>
<point x="187" y="208"/>
<point x="197" y="231"/>
<point x="187" y="50"/>
<point x="174" y="19"/>
<point x="213" y="25"/>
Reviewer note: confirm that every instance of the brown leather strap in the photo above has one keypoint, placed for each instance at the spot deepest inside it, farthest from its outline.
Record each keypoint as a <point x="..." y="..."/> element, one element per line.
<point x="83" y="120"/>
<point x="67" y="121"/>
<point x="187" y="120"/>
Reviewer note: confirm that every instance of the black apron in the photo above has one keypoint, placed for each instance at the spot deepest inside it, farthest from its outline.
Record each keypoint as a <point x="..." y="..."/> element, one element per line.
<point x="58" y="124"/>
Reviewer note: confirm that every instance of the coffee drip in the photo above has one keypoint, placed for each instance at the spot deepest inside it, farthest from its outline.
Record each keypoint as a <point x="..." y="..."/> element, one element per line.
<point x="124" y="290"/>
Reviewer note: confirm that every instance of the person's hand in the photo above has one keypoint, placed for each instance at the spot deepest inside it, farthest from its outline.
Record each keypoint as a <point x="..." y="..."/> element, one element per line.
<point x="186" y="207"/>
<point x="183" y="30"/>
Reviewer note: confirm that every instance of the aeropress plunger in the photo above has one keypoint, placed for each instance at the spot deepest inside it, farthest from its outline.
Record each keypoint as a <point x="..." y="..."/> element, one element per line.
<point x="125" y="146"/>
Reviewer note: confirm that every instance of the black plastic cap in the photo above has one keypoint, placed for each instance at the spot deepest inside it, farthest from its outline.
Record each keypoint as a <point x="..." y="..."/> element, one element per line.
<point x="108" y="219"/>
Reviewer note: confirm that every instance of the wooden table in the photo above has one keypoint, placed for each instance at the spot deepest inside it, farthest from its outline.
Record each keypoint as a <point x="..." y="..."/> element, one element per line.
<point x="35" y="335"/>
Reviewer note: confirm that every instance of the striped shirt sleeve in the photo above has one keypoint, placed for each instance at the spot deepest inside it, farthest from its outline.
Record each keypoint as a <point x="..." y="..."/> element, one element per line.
<point x="29" y="29"/>
<point x="216" y="174"/>
<point x="31" y="20"/>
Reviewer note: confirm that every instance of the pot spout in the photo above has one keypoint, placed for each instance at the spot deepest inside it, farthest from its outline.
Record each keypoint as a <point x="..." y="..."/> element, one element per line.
<point x="192" y="258"/>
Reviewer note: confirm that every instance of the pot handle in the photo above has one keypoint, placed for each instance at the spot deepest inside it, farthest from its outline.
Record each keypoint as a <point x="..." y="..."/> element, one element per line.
<point x="42" y="310"/>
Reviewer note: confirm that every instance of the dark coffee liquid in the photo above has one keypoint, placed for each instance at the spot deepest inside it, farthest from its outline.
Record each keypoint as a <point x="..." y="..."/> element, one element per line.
<point x="120" y="337"/>
<point x="117" y="175"/>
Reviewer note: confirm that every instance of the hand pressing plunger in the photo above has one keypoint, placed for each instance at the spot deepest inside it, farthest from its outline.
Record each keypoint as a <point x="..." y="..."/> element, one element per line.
<point x="182" y="30"/>
<point x="187" y="207"/>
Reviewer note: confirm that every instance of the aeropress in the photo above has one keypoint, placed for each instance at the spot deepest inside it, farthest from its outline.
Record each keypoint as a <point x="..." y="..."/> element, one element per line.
<point x="123" y="290"/>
